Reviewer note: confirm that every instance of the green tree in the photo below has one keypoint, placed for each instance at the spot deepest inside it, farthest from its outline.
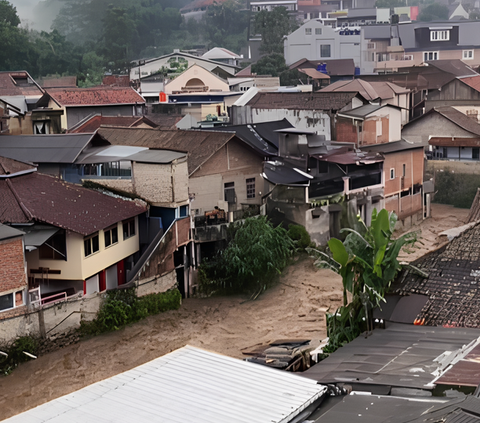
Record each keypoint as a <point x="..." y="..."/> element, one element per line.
<point x="92" y="70"/>
<point x="273" y="26"/>
<point x="272" y="64"/>
<point x="368" y="262"/>
<point x="8" y="14"/>
<point x="433" y="12"/>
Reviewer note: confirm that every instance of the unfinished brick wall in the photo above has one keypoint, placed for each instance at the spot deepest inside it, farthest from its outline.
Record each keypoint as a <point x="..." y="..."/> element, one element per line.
<point x="346" y="131"/>
<point x="12" y="265"/>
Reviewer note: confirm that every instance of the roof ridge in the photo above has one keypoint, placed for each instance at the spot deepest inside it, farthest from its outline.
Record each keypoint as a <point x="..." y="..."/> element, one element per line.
<point x="24" y="208"/>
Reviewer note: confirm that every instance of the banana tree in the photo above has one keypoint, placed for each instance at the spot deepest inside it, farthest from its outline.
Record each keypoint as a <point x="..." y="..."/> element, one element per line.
<point x="367" y="261"/>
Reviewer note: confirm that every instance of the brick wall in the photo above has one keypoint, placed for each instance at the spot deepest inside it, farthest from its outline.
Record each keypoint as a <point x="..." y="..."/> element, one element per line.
<point x="12" y="265"/>
<point x="414" y="166"/>
<point x="346" y="131"/>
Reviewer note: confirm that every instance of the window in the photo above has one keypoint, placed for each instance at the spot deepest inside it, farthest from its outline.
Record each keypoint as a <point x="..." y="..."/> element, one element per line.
<point x="379" y="128"/>
<point x="442" y="35"/>
<point x="250" y="188"/>
<point x="91" y="244"/>
<point x="229" y="192"/>
<point x="54" y="248"/>
<point x="430" y="55"/>
<point x="475" y="153"/>
<point x="6" y="301"/>
<point x="128" y="228"/>
<point x="111" y="236"/>
<point x="467" y="54"/>
<point x="392" y="173"/>
<point x="404" y="171"/>
<point x="371" y="46"/>
<point x="318" y="31"/>
<point x="325" y="50"/>
<point x="308" y="31"/>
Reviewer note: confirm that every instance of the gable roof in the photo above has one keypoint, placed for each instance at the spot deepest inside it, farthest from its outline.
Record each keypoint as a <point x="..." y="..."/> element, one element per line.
<point x="220" y="53"/>
<point x="472" y="81"/>
<point x="368" y="90"/>
<point x="200" y="145"/>
<point x="10" y="166"/>
<point x="96" y="96"/>
<point x="92" y="123"/>
<point x="58" y="148"/>
<point x="302" y="101"/>
<point x="43" y="198"/>
<point x="458" y="118"/>
<point x="19" y="84"/>
<point x="454" y="67"/>
<point x="186" y="385"/>
<point x="452" y="285"/>
<point x="392" y="147"/>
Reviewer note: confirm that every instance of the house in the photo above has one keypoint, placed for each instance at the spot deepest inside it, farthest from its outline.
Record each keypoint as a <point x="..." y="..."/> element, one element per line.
<point x="447" y="133"/>
<point x="376" y="92"/>
<point x="82" y="241"/>
<point x="335" y="69"/>
<point x="222" y="55"/>
<point x="13" y="275"/>
<point x="221" y="389"/>
<point x="318" y="183"/>
<point x="369" y="124"/>
<point x="223" y="170"/>
<point x="403" y="173"/>
<point x="315" y="41"/>
<point x="448" y="278"/>
<point x="402" y="360"/>
<point x="78" y="103"/>
<point x="390" y="47"/>
<point x="19" y="114"/>
<point x="179" y="59"/>
<point x="157" y="176"/>
<point x="423" y="81"/>
<point x="91" y="123"/>
<point x="304" y="110"/>
<point x="196" y="80"/>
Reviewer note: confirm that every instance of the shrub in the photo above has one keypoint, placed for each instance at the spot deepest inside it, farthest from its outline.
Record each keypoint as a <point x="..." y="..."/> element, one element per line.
<point x="16" y="353"/>
<point x="300" y="236"/>
<point x="455" y="189"/>
<point x="122" y="307"/>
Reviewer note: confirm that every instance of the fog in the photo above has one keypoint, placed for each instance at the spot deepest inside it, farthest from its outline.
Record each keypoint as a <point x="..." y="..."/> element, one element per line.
<point x="37" y="14"/>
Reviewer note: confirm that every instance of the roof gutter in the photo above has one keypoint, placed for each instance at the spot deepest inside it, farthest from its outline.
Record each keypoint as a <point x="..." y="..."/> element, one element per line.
<point x="22" y="172"/>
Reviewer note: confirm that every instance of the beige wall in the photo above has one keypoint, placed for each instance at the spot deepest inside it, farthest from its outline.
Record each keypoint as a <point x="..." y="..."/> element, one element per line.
<point x="63" y="118"/>
<point x="233" y="163"/>
<point x="79" y="267"/>
<point x="210" y="80"/>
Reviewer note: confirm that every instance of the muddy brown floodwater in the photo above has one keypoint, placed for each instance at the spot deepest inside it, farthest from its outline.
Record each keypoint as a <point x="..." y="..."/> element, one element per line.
<point x="294" y="308"/>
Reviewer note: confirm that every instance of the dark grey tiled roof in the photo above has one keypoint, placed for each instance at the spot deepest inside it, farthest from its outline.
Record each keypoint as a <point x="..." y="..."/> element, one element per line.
<point x="453" y="282"/>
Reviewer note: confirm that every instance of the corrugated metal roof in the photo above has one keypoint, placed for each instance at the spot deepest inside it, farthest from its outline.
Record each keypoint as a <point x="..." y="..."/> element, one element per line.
<point x="7" y="232"/>
<point x="62" y="148"/>
<point x="187" y="385"/>
<point x="399" y="356"/>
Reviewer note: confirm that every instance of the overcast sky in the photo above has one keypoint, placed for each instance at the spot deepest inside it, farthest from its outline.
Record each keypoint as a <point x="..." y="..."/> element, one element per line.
<point x="29" y="16"/>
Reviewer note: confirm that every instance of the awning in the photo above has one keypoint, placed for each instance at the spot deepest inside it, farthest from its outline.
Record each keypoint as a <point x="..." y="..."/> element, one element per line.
<point x="38" y="236"/>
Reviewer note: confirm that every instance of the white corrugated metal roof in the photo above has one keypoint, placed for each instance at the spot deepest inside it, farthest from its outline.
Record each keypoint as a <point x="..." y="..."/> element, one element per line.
<point x="187" y="385"/>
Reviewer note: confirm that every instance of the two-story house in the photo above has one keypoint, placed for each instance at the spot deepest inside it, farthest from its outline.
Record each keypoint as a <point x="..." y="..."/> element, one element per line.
<point x="78" y="241"/>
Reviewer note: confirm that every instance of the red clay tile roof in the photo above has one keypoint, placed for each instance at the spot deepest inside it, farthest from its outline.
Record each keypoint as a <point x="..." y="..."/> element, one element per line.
<point x="472" y="81"/>
<point x="200" y="145"/>
<point x="95" y="96"/>
<point x="302" y="101"/>
<point x="10" y="166"/>
<point x="44" y="198"/>
<point x="92" y="124"/>
<point x="18" y="83"/>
